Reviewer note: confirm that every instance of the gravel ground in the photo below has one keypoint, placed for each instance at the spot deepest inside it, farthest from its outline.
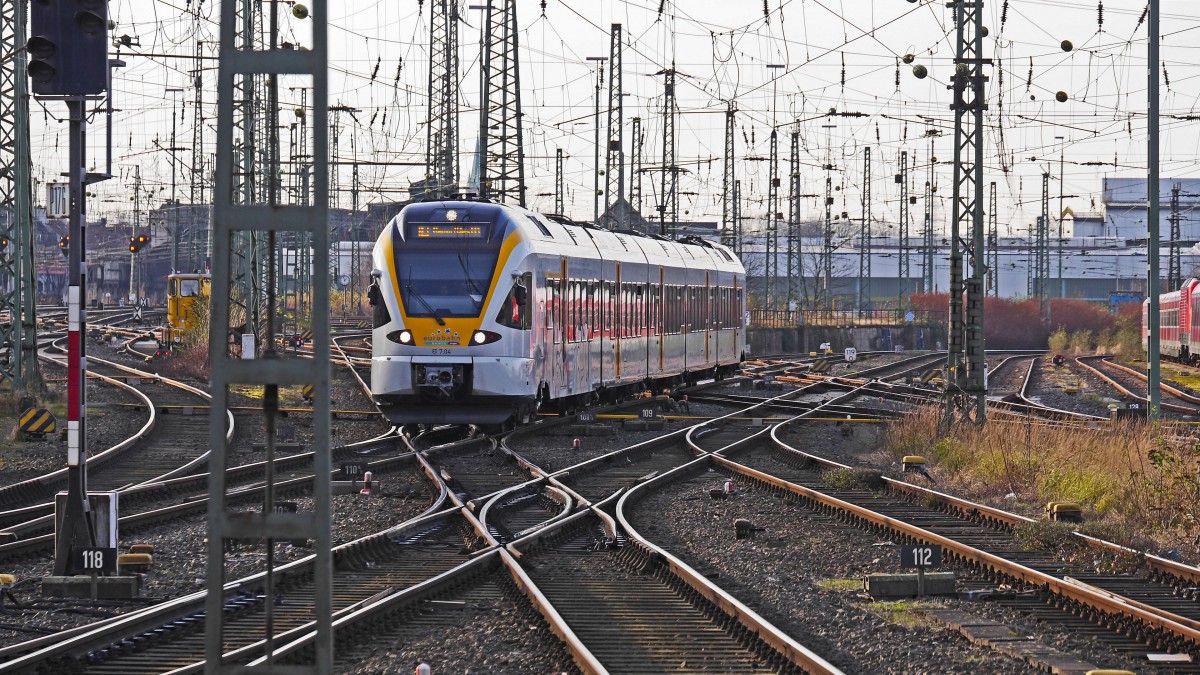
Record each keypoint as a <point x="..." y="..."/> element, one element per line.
<point x="180" y="553"/>
<point x="802" y="574"/>
<point x="494" y="631"/>
<point x="553" y="451"/>
<point x="1093" y="397"/>
<point x="22" y="460"/>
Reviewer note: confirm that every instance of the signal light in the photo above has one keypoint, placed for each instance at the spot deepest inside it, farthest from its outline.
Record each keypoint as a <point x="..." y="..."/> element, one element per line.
<point x="138" y="243"/>
<point x="64" y="245"/>
<point x="3" y="244"/>
<point x="68" y="47"/>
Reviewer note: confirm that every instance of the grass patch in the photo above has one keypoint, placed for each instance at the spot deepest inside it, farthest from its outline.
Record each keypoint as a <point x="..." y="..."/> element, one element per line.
<point x="1045" y="535"/>
<point x="841" y="585"/>
<point x="907" y="613"/>
<point x="1131" y="477"/>
<point x="853" y="479"/>
<point x="1188" y="378"/>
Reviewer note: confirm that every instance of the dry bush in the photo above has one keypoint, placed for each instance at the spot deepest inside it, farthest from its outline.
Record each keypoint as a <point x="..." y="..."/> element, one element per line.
<point x="187" y="361"/>
<point x="1133" y="474"/>
<point x="190" y="359"/>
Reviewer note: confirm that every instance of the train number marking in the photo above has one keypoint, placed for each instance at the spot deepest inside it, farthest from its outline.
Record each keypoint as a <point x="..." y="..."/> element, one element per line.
<point x="440" y="352"/>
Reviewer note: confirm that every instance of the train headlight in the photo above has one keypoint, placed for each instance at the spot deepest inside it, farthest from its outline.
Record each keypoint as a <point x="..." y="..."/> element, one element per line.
<point x="483" y="337"/>
<point x="404" y="337"/>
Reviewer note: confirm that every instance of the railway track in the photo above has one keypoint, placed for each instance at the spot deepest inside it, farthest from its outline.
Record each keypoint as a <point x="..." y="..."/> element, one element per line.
<point x="548" y="531"/>
<point x="1132" y="384"/>
<point x="165" y="447"/>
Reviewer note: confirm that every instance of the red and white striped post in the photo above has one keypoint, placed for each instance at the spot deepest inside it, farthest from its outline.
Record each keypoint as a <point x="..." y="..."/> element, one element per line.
<point x="76" y="529"/>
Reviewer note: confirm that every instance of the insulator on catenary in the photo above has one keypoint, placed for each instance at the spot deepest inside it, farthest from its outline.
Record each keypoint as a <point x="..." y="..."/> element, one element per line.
<point x="1004" y="15"/>
<point x="1100" y="16"/>
<point x="1142" y="18"/>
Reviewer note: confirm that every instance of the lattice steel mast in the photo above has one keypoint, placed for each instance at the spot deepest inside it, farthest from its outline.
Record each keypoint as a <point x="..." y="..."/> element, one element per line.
<point x="635" y="166"/>
<point x="772" y="232"/>
<point x="864" y="236"/>
<point x="266" y="216"/>
<point x="441" y="147"/>
<point x="993" y="251"/>
<point x="558" y="181"/>
<point x="502" y="153"/>
<point x="966" y="391"/>
<point x="795" y="263"/>
<point x="614" y="158"/>
<point x="827" y="245"/>
<point x="1043" y="251"/>
<point x="727" y="227"/>
<point x="17" y="287"/>
<point x="903" y="263"/>
<point x="1174" y="269"/>
<point x="669" y="198"/>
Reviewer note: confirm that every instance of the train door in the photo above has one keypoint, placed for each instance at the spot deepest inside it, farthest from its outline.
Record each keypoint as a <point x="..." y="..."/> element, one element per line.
<point x="561" y="322"/>
<point x="620" y="323"/>
<point x="706" y="316"/>
<point x="660" y="298"/>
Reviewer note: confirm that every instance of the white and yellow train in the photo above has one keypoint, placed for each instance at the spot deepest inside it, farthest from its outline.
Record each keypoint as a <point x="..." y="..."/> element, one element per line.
<point x="485" y="313"/>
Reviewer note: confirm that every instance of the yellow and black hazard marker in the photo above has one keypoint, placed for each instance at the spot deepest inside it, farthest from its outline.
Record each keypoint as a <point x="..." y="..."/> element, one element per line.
<point x="363" y="324"/>
<point x="819" y="366"/>
<point x="38" y="421"/>
<point x="307" y="392"/>
<point x="306" y="335"/>
<point x="931" y="375"/>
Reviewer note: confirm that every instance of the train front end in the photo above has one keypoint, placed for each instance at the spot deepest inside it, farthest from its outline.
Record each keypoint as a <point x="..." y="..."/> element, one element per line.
<point x="452" y="317"/>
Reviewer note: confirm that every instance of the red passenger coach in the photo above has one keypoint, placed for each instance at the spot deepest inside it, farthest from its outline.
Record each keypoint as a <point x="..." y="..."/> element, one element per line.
<point x="1178" y="331"/>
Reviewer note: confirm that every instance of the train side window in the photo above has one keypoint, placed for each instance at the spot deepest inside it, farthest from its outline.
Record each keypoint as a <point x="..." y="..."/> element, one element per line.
<point x="379" y="311"/>
<point x="173" y="287"/>
<point x="589" y="309"/>
<point x="609" y="307"/>
<point x="514" y="311"/>
<point x="551" y="303"/>
<point x="189" y="288"/>
<point x="577" y="310"/>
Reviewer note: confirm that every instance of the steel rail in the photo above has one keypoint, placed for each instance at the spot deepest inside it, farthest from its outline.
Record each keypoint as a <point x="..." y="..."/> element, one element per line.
<point x="1126" y="392"/>
<point x="1162" y="621"/>
<point x="995" y="516"/>
<point x="776" y="638"/>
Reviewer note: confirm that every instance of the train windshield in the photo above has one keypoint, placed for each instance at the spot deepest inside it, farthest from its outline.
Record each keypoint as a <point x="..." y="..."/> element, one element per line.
<point x="443" y="283"/>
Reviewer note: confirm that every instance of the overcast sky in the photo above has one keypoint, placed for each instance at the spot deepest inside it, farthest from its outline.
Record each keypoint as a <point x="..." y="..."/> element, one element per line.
<point x="379" y="66"/>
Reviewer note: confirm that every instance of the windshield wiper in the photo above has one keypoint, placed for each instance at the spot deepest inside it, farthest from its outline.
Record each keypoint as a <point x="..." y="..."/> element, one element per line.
<point x="420" y="298"/>
<point x="470" y="280"/>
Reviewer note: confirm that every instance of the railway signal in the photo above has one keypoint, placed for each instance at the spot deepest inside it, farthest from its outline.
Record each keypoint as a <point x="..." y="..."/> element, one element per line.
<point x="138" y="243"/>
<point x="64" y="244"/>
<point x="68" y="50"/>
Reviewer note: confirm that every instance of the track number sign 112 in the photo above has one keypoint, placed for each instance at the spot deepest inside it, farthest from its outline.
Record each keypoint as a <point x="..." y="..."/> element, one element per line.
<point x="920" y="555"/>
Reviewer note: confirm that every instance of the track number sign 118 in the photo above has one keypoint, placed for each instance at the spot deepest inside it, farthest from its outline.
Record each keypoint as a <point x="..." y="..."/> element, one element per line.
<point x="96" y="560"/>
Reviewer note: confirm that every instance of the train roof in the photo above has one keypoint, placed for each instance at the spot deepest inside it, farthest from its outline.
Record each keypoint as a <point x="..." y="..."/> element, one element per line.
<point x="559" y="235"/>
